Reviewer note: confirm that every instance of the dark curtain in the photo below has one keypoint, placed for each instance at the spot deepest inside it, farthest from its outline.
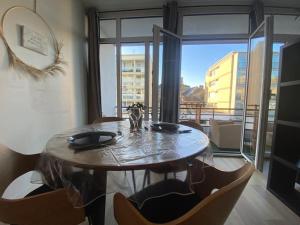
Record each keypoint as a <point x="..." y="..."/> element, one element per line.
<point x="169" y="105"/>
<point x="256" y="15"/>
<point x="93" y="79"/>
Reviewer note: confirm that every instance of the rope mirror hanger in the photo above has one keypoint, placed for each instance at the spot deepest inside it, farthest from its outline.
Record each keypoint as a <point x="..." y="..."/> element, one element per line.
<point x="18" y="63"/>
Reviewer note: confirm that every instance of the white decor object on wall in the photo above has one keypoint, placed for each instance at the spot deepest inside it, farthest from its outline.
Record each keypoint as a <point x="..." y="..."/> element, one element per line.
<point x="33" y="40"/>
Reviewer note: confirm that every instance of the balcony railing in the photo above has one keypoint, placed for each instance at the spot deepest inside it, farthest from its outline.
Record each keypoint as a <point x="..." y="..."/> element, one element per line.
<point x="203" y="114"/>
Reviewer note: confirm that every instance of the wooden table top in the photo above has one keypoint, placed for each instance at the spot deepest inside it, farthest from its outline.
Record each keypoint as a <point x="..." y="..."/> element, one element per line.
<point x="142" y="150"/>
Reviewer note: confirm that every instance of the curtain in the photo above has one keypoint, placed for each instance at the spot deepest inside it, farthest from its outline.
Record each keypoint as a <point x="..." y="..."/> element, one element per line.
<point x="256" y="15"/>
<point x="169" y="104"/>
<point x="93" y="79"/>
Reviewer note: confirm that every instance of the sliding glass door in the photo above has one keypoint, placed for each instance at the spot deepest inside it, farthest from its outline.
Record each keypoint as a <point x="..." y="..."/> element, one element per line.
<point x="257" y="93"/>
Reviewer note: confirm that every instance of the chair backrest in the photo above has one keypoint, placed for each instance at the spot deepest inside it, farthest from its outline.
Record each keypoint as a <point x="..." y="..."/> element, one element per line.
<point x="215" y="208"/>
<point x="43" y="209"/>
<point x="13" y="165"/>
<point x="191" y="123"/>
<point x="212" y="210"/>
<point x="107" y="119"/>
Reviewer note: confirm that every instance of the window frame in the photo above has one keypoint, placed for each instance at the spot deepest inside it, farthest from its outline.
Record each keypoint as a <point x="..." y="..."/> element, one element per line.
<point x="183" y="11"/>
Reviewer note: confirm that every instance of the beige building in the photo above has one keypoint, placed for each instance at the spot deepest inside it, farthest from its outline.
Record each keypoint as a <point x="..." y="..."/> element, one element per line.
<point x="133" y="79"/>
<point x="225" y="80"/>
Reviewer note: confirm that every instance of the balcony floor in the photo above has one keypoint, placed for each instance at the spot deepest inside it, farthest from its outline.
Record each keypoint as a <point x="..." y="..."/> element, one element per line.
<point x="215" y="149"/>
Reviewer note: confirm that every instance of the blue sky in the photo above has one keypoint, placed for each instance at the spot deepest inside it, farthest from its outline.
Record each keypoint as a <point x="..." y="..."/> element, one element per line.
<point x="133" y="49"/>
<point x="196" y="59"/>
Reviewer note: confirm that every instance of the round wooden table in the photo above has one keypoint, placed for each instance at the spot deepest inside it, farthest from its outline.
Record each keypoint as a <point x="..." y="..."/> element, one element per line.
<point x="145" y="149"/>
<point x="142" y="150"/>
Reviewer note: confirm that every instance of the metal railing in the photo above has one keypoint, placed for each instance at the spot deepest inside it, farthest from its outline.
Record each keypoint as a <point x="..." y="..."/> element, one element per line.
<point x="203" y="114"/>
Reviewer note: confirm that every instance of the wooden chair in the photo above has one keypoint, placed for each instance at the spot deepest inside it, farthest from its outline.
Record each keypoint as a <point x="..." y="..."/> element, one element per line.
<point x="50" y="208"/>
<point x="191" y="123"/>
<point x="212" y="210"/>
<point x="176" y="168"/>
<point x="107" y="119"/>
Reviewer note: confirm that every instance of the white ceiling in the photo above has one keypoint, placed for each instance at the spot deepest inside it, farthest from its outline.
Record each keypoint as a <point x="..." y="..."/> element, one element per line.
<point x="115" y="5"/>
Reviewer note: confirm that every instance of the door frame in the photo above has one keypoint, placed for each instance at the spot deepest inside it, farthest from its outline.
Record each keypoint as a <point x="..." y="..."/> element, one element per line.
<point x="264" y="97"/>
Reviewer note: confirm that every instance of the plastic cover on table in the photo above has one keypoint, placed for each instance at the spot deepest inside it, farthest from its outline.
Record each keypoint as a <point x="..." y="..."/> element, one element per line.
<point x="84" y="186"/>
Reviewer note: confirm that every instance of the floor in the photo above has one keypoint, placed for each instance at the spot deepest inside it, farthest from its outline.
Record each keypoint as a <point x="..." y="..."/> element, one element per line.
<point x="266" y="167"/>
<point x="256" y="206"/>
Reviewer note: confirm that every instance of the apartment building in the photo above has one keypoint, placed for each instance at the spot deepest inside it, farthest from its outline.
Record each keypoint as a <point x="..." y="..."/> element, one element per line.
<point x="133" y="79"/>
<point x="225" y="81"/>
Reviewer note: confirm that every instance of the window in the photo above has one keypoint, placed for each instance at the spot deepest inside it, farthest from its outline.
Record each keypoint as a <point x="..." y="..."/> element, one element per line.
<point x="127" y="65"/>
<point x="139" y="66"/>
<point x="285" y="24"/>
<point x="213" y="72"/>
<point x="132" y="71"/>
<point x="139" y="27"/>
<point x="242" y="60"/>
<point x="107" y="28"/>
<point x="212" y="94"/>
<point x="216" y="24"/>
<point x="212" y="83"/>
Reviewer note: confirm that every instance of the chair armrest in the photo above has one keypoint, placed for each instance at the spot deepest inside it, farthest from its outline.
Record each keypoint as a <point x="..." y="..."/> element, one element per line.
<point x="44" y="209"/>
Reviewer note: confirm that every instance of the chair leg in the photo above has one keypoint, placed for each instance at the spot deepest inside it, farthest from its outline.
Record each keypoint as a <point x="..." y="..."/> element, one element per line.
<point x="149" y="177"/>
<point x="166" y="176"/>
<point x="146" y="178"/>
<point x="89" y="221"/>
<point x="133" y="180"/>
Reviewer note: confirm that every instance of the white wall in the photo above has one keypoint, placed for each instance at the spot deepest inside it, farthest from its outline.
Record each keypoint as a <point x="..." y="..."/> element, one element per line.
<point x="32" y="111"/>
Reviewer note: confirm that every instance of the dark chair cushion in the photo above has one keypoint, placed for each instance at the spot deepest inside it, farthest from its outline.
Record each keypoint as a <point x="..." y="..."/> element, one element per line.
<point x="42" y="189"/>
<point x="173" y="199"/>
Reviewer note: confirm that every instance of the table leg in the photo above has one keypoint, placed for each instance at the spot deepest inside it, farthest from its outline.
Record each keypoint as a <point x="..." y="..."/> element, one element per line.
<point x="96" y="210"/>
